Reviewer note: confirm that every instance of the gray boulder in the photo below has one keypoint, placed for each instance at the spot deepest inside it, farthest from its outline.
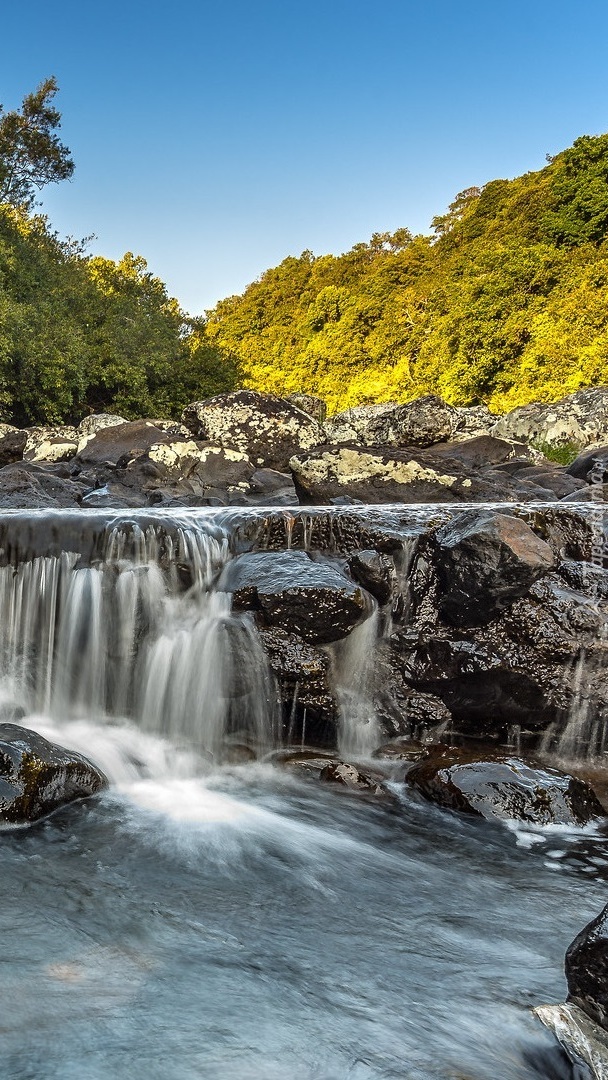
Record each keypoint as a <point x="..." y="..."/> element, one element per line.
<point x="268" y="430"/>
<point x="423" y="422"/>
<point x="308" y="403"/>
<point x="37" y="776"/>
<point x="579" y="420"/>
<point x="587" y="969"/>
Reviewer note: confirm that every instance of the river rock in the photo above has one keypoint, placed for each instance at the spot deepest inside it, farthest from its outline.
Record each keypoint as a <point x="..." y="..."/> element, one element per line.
<point x="473" y="421"/>
<point x="485" y="561"/>
<point x="375" y="571"/>
<point x="587" y="969"/>
<point x="578" y="420"/>
<point x="26" y="485"/>
<point x="351" y="777"/>
<point x="37" y="777"/>
<point x="97" y="422"/>
<point x="401" y="476"/>
<point x="503" y="787"/>
<point x="292" y="592"/>
<point x="591" y="466"/>
<point x="419" y="423"/>
<point x="268" y="430"/>
<point x="12" y="445"/>
<point x="584" y="1041"/>
<point x="313" y="406"/>
<point x="484" y="451"/>
<point x="302" y="673"/>
<point x="118" y="444"/>
<point x="51" y="444"/>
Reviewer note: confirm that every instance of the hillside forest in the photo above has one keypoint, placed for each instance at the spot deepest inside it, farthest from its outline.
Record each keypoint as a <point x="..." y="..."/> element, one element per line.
<point x="504" y="302"/>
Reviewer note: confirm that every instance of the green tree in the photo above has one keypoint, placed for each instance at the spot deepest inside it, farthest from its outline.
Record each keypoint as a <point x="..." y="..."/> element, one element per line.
<point x="31" y="153"/>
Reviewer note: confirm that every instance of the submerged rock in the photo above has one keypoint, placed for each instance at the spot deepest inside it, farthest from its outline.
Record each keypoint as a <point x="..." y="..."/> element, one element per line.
<point x="267" y="429"/>
<point x="294" y="593"/>
<point x="37" y="776"/>
<point x="503" y="787"/>
<point x="587" y="969"/>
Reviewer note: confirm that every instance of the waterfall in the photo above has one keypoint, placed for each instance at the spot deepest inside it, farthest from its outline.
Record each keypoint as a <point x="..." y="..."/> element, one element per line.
<point x="141" y="636"/>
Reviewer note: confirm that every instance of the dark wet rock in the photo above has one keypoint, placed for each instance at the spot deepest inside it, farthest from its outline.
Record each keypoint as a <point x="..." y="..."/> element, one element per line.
<point x="503" y="787"/>
<point x="118" y="444"/>
<point x="268" y="430"/>
<point x="25" y="485"/>
<point x="579" y="420"/>
<point x="421" y="423"/>
<point x="585" y="577"/>
<point x="303" y="760"/>
<point x="292" y="592"/>
<point x="351" y="777"/>
<point x="375" y="571"/>
<point x="302" y="673"/>
<point x="308" y="403"/>
<point x="402" y="749"/>
<point x="401" y="476"/>
<point x="485" y="561"/>
<point x="273" y="488"/>
<point x="12" y="446"/>
<point x="37" y="777"/>
<point x="591" y="493"/>
<point x="587" y="969"/>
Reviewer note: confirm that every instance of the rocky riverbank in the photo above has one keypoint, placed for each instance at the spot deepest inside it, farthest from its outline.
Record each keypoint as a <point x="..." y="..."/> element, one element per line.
<point x="246" y="448"/>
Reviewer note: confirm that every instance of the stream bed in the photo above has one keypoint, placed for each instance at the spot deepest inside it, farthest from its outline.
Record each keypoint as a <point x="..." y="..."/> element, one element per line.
<point x="249" y="924"/>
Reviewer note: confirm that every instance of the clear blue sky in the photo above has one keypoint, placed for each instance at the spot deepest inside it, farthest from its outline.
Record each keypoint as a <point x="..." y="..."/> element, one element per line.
<point x="217" y="138"/>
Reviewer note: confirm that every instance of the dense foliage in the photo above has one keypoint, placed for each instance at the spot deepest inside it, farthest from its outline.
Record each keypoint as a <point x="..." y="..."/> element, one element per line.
<point x="85" y="334"/>
<point x="506" y="303"/>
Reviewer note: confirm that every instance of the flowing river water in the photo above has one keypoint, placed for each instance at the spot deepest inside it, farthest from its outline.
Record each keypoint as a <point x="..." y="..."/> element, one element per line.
<point x="210" y="920"/>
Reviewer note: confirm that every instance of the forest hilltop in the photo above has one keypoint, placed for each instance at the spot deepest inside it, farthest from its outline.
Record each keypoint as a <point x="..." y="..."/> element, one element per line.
<point x="505" y="303"/>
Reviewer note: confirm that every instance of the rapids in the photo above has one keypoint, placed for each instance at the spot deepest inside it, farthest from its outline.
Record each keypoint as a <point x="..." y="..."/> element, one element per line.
<point x="206" y="920"/>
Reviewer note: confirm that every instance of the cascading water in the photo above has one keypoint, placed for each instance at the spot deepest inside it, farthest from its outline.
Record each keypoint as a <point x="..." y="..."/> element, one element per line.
<point x="142" y="636"/>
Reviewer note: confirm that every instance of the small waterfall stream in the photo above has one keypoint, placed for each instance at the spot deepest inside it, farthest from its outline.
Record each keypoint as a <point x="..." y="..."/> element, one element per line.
<point x="141" y="636"/>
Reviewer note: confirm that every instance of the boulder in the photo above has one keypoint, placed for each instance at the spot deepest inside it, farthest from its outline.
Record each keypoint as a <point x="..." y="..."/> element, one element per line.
<point x="473" y="421"/>
<point x="118" y="444"/>
<point x="496" y="786"/>
<point x="97" y="421"/>
<point x="554" y="479"/>
<point x="485" y="561"/>
<point x="302" y="673"/>
<point x="292" y="592"/>
<point x="375" y="571"/>
<point x="313" y="406"/>
<point x="268" y="430"/>
<point x="587" y="969"/>
<point x="483" y="451"/>
<point x="12" y="446"/>
<point x="400" y="476"/>
<point x="578" y="420"/>
<point x="34" y="486"/>
<point x="37" y="777"/>
<point x="51" y="444"/>
<point x="420" y="423"/>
